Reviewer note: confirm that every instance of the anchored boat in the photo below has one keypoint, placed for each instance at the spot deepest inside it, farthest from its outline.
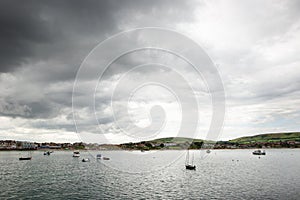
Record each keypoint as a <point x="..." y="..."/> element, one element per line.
<point x="76" y="154"/>
<point x="259" y="152"/>
<point x="189" y="166"/>
<point x="47" y="153"/>
<point x="28" y="157"/>
<point x="25" y="158"/>
<point x="85" y="160"/>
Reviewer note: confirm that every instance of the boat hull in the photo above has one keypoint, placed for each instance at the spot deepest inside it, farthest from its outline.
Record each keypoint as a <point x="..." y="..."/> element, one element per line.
<point x="190" y="167"/>
<point x="254" y="153"/>
<point x="26" y="158"/>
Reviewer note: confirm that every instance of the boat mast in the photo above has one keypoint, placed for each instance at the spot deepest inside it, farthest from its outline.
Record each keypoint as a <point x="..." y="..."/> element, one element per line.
<point x="187" y="159"/>
<point x="193" y="159"/>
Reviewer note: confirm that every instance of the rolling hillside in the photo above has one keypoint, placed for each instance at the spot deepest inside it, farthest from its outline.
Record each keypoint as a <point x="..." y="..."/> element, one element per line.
<point x="269" y="137"/>
<point x="270" y="140"/>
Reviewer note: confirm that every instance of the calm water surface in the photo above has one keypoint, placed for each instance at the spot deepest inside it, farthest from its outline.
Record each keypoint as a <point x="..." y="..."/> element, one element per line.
<point x="222" y="174"/>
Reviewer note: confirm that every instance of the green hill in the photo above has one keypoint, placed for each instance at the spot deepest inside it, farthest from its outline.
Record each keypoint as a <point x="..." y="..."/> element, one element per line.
<point x="269" y="137"/>
<point x="165" y="143"/>
<point x="270" y="140"/>
<point x="177" y="140"/>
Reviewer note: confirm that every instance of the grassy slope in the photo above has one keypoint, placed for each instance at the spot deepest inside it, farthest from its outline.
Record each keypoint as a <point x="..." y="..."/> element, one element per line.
<point x="256" y="138"/>
<point x="177" y="140"/>
<point x="271" y="137"/>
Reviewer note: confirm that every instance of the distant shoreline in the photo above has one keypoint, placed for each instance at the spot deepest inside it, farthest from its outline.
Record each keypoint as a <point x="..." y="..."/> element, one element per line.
<point x="266" y="141"/>
<point x="135" y="150"/>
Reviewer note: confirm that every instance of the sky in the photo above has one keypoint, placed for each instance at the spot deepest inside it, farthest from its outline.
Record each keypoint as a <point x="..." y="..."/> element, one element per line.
<point x="52" y="54"/>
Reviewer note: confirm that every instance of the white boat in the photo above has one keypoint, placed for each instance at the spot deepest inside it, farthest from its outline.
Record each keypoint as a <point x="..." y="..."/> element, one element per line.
<point x="85" y="160"/>
<point x="76" y="154"/>
<point x="28" y="157"/>
<point x="259" y="152"/>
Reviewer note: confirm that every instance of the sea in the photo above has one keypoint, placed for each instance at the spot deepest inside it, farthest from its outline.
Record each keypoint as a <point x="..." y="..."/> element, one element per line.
<point x="220" y="174"/>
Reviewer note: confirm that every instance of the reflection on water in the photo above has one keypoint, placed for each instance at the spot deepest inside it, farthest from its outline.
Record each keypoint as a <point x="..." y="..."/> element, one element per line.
<point x="223" y="174"/>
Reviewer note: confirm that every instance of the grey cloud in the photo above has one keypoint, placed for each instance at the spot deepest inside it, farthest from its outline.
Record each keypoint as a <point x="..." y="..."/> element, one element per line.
<point x="67" y="30"/>
<point x="21" y="28"/>
<point x="14" y="109"/>
<point x="43" y="109"/>
<point x="45" y="42"/>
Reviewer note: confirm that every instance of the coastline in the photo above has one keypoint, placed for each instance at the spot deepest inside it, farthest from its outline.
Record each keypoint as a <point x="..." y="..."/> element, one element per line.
<point x="135" y="150"/>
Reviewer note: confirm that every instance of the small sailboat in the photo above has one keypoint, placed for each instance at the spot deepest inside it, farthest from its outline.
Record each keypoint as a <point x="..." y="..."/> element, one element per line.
<point x="189" y="166"/>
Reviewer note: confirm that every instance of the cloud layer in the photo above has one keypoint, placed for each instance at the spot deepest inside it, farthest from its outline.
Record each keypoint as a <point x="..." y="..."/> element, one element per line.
<point x="254" y="44"/>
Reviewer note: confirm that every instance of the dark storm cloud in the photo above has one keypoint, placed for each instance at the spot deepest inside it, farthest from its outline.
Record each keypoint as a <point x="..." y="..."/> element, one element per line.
<point x="38" y="30"/>
<point x="45" y="30"/>
<point x="44" y="42"/>
<point x="21" y="28"/>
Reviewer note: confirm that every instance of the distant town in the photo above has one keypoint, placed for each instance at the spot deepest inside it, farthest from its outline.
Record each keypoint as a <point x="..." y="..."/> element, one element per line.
<point x="273" y="140"/>
<point x="25" y="145"/>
